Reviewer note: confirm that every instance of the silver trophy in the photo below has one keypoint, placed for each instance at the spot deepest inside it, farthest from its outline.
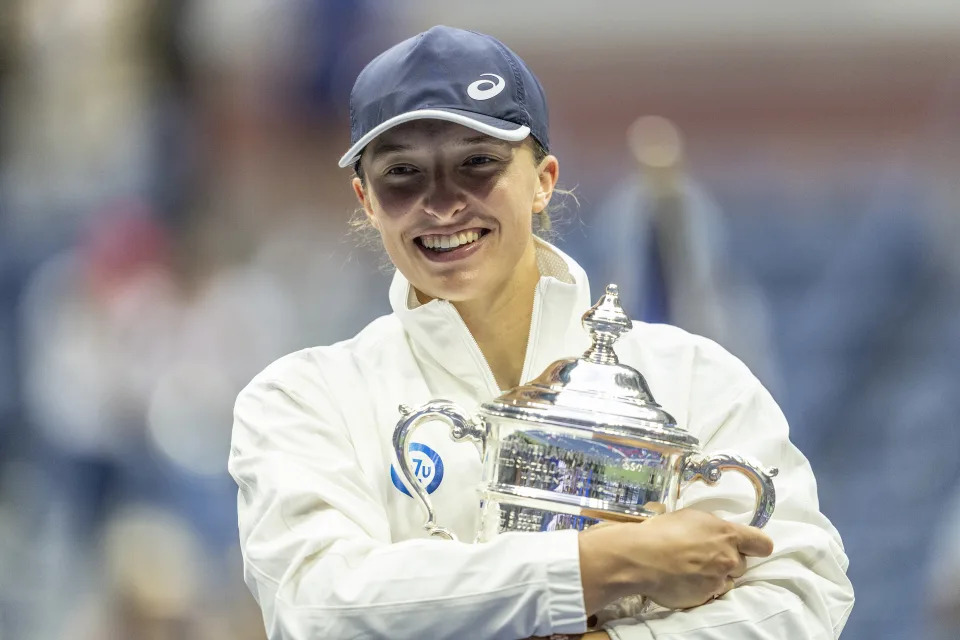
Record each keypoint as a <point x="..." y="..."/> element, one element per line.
<point x="584" y="442"/>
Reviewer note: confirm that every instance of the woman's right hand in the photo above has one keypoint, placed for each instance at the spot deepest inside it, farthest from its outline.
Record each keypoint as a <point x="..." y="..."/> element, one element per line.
<point x="679" y="560"/>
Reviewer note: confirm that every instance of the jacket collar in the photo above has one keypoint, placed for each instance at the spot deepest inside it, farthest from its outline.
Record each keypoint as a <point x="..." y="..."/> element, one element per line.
<point x="438" y="335"/>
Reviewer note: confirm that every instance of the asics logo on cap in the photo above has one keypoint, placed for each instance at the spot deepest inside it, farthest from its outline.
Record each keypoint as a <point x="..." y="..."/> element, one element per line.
<point x="486" y="89"/>
<point x="506" y="102"/>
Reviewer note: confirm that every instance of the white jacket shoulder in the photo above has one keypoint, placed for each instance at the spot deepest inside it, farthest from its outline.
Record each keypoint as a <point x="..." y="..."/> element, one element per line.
<point x="667" y="342"/>
<point x="306" y="368"/>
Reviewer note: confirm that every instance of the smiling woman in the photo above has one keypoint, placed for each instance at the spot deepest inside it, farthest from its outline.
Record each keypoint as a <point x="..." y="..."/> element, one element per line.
<point x="542" y="220"/>
<point x="449" y="141"/>
<point x="430" y="181"/>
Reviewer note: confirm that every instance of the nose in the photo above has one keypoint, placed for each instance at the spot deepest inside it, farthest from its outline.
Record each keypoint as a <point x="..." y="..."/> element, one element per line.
<point x="443" y="198"/>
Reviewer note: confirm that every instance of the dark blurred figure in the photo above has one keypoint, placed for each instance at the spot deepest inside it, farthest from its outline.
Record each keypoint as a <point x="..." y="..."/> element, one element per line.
<point x="665" y="242"/>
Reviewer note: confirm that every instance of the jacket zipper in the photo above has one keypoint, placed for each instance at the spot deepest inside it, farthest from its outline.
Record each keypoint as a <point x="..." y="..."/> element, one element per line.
<point x="528" y="356"/>
<point x="478" y="354"/>
<point x="534" y="323"/>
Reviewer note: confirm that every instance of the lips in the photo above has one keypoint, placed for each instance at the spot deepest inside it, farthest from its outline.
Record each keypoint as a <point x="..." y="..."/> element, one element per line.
<point x="446" y="247"/>
<point x="449" y="241"/>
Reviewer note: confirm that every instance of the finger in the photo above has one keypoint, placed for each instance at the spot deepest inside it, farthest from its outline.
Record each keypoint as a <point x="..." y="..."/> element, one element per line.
<point x="741" y="567"/>
<point x="753" y="542"/>
<point x="727" y="586"/>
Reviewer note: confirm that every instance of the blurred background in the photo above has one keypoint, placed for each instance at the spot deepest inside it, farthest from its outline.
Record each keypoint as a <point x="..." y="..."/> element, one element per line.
<point x="782" y="177"/>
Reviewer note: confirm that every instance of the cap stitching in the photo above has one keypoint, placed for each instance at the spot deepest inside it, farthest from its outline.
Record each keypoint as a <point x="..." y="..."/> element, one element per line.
<point x="353" y="122"/>
<point x="516" y="79"/>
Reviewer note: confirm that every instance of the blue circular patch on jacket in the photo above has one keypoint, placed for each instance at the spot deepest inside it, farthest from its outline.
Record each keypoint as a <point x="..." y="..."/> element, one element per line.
<point x="427" y="466"/>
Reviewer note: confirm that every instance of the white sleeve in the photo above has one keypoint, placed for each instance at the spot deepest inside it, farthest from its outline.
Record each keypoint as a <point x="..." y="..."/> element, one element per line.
<point x="318" y="555"/>
<point x="801" y="591"/>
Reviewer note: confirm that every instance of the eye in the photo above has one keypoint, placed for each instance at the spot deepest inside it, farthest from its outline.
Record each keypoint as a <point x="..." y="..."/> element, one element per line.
<point x="400" y="170"/>
<point x="479" y="161"/>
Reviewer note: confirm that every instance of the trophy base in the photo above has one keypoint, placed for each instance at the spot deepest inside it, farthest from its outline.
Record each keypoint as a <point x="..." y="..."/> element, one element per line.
<point x="517" y="518"/>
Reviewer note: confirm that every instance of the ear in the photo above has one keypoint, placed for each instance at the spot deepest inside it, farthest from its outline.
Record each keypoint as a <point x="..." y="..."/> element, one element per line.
<point x="364" y="199"/>
<point x="547" y="174"/>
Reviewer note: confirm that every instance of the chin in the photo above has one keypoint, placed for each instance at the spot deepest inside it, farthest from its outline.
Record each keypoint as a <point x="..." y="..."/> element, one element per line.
<point x="453" y="290"/>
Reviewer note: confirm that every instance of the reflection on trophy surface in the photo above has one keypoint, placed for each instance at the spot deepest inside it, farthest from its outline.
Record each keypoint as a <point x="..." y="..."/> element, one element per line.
<point x="543" y="461"/>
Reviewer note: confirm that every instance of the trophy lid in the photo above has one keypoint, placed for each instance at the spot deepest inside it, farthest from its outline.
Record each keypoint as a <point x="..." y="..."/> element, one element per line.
<point x="595" y="391"/>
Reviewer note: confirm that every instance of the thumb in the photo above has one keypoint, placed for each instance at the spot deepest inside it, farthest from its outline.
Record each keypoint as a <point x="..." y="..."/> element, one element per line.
<point x="753" y="542"/>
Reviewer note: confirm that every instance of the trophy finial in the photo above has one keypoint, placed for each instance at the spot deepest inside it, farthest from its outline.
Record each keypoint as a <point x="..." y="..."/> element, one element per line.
<point x="605" y="322"/>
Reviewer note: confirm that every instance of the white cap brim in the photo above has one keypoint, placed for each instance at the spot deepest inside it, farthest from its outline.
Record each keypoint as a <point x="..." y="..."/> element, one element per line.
<point x="509" y="131"/>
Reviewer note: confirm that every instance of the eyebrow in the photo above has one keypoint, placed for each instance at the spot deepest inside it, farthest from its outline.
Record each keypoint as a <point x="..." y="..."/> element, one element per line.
<point x="397" y="147"/>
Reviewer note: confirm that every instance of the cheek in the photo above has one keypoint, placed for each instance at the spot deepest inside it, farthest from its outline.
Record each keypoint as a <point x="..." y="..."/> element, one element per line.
<point x="392" y="240"/>
<point x="520" y="205"/>
<point x="393" y="203"/>
<point x="388" y="220"/>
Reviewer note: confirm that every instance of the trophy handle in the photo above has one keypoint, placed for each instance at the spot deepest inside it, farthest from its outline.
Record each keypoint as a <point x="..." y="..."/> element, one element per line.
<point x="708" y="468"/>
<point x="462" y="428"/>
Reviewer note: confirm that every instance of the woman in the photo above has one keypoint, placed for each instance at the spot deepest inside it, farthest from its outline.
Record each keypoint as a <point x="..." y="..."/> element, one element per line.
<point x="450" y="144"/>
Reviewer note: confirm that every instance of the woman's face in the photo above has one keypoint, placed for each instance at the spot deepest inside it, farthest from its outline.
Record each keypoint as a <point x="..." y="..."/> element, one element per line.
<point x="454" y="206"/>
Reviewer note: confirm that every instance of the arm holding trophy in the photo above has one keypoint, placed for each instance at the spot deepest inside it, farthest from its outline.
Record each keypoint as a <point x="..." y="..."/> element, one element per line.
<point x="585" y="442"/>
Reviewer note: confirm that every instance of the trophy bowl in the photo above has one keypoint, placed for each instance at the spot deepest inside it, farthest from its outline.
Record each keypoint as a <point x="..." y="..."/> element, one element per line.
<point x="582" y="443"/>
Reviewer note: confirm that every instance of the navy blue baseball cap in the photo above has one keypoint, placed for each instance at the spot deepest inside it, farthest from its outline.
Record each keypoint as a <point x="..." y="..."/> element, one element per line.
<point x="449" y="74"/>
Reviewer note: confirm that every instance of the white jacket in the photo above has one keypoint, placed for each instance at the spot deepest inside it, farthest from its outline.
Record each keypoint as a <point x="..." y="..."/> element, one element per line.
<point x="333" y="549"/>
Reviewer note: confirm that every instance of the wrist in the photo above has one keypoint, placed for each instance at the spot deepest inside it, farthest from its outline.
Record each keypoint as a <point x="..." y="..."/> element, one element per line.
<point x="610" y="565"/>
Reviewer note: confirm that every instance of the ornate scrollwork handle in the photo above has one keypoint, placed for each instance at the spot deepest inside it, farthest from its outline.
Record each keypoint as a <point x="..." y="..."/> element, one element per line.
<point x="709" y="468"/>
<point x="462" y="428"/>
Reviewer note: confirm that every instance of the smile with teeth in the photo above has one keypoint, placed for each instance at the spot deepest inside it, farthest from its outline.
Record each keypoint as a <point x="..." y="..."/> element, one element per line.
<point x="450" y="242"/>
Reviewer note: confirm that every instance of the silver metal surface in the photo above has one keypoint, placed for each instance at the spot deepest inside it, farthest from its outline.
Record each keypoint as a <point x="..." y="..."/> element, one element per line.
<point x="461" y="428"/>
<point x="573" y="505"/>
<point x="583" y="442"/>
<point x="709" y="468"/>
<point x="594" y="391"/>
